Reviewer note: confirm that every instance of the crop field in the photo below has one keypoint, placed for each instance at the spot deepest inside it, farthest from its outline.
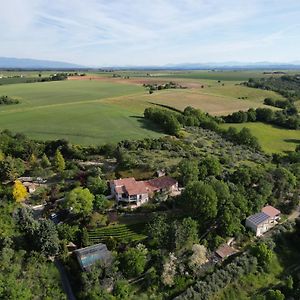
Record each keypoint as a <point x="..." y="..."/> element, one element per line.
<point x="121" y="233"/>
<point x="97" y="108"/>
<point x="235" y="75"/>
<point x="73" y="110"/>
<point x="272" y="139"/>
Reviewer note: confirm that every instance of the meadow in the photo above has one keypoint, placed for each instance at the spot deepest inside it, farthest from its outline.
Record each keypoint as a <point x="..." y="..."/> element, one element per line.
<point x="98" y="108"/>
<point x="271" y="138"/>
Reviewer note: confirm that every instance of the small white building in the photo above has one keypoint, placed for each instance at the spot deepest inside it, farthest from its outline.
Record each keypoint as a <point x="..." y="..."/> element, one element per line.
<point x="264" y="220"/>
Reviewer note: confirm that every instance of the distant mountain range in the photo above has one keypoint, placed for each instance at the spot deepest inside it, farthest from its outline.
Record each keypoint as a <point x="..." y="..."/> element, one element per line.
<point x="218" y="66"/>
<point x="25" y="63"/>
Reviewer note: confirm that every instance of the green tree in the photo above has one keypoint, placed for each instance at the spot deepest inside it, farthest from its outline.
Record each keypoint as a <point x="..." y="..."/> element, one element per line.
<point x="284" y="182"/>
<point x="96" y="185"/>
<point x="185" y="234"/>
<point x="200" y="200"/>
<point x="188" y="170"/>
<point x="80" y="201"/>
<point x="134" y="260"/>
<point x="157" y="230"/>
<point x="122" y="290"/>
<point x="46" y="238"/>
<point x="11" y="168"/>
<point x="263" y="253"/>
<point x="59" y="161"/>
<point x="212" y="165"/>
<point x="274" y="295"/>
<point x="45" y="161"/>
<point x="101" y="203"/>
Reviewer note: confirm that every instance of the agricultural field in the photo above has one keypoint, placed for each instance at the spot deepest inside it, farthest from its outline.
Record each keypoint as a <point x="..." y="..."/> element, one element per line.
<point x="271" y="138"/>
<point x="120" y="233"/>
<point x="99" y="108"/>
<point x="226" y="75"/>
<point x="73" y="110"/>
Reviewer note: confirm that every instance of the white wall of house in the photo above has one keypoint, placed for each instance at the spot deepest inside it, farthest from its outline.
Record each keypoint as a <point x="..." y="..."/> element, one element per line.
<point x="261" y="228"/>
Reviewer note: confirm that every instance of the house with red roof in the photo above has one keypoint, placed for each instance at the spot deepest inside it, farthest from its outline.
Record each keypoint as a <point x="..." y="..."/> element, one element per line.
<point x="130" y="191"/>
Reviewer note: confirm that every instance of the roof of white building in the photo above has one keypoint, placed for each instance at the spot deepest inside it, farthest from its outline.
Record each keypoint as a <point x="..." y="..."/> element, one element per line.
<point x="258" y="218"/>
<point x="270" y="211"/>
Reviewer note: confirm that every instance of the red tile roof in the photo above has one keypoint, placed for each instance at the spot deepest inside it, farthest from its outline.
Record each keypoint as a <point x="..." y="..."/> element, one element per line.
<point x="270" y="211"/>
<point x="130" y="186"/>
<point x="161" y="183"/>
<point x="224" y="251"/>
<point x="123" y="181"/>
<point x="133" y="187"/>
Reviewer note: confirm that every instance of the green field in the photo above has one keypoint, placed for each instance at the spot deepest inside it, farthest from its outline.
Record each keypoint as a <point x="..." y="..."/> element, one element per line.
<point x="74" y="110"/>
<point x="272" y="139"/>
<point x="104" y="109"/>
<point x="226" y="75"/>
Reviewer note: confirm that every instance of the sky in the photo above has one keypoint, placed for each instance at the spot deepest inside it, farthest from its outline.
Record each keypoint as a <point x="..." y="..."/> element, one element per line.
<point x="150" y="32"/>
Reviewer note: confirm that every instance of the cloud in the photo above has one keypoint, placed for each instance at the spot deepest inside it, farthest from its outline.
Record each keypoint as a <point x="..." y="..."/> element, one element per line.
<point x="101" y="32"/>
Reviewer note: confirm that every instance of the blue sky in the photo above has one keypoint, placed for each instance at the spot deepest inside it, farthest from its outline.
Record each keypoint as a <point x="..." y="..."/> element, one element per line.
<point x="151" y="32"/>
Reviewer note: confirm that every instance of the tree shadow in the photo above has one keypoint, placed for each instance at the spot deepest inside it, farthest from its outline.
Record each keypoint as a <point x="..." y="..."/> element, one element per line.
<point x="147" y="124"/>
<point x="295" y="141"/>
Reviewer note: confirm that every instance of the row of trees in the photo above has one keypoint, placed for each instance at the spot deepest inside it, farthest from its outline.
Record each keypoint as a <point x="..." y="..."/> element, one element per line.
<point x="286" y="85"/>
<point x="278" y="103"/>
<point x="172" y="122"/>
<point x="287" y="118"/>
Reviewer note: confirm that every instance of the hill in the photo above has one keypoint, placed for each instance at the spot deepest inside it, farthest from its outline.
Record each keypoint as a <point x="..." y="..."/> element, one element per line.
<point x="27" y="63"/>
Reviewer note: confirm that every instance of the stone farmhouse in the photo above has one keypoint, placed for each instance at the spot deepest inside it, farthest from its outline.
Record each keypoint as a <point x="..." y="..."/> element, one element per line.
<point x="264" y="220"/>
<point x="128" y="191"/>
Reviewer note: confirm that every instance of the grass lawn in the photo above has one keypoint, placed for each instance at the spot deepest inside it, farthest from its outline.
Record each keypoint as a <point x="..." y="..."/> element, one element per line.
<point x="272" y="139"/>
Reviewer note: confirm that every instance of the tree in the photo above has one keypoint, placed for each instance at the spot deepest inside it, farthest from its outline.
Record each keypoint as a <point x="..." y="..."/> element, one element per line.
<point x="212" y="165"/>
<point x="11" y="168"/>
<point x="157" y="230"/>
<point x="274" y="295"/>
<point x="284" y="181"/>
<point x="188" y="170"/>
<point x="45" y="161"/>
<point x="199" y="256"/>
<point x="230" y="220"/>
<point x="185" y="234"/>
<point x="25" y="221"/>
<point x="245" y="137"/>
<point x="264" y="114"/>
<point x="101" y="203"/>
<point x="80" y="201"/>
<point x="59" y="161"/>
<point x="96" y="185"/>
<point x="19" y="191"/>
<point x="33" y="160"/>
<point x="169" y="270"/>
<point x="134" y="260"/>
<point x="46" y="238"/>
<point x="2" y="156"/>
<point x="251" y="115"/>
<point x="263" y="253"/>
<point x="122" y="289"/>
<point x="200" y="200"/>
